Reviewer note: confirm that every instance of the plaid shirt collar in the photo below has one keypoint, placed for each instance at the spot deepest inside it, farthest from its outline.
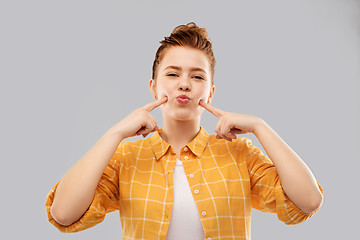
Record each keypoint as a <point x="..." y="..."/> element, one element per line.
<point x="197" y="145"/>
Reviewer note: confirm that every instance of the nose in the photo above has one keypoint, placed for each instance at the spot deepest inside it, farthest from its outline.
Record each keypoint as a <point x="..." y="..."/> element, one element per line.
<point x="184" y="85"/>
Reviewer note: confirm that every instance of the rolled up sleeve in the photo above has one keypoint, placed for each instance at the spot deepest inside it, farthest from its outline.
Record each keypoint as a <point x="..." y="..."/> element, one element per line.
<point x="287" y="211"/>
<point x="106" y="199"/>
<point x="267" y="192"/>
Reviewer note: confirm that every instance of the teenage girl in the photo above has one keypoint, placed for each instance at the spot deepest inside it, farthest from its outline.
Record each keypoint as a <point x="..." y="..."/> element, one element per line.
<point x="183" y="183"/>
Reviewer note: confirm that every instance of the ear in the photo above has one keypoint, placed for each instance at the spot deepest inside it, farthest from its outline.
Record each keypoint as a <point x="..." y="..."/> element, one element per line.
<point x="212" y="91"/>
<point x="152" y="87"/>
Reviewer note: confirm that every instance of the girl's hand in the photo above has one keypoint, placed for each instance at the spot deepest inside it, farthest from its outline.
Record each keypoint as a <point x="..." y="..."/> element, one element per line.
<point x="230" y="124"/>
<point x="139" y="121"/>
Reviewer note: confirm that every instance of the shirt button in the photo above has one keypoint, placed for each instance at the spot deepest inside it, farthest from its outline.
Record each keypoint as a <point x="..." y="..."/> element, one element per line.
<point x="185" y="149"/>
<point x="196" y="191"/>
<point x="203" y="213"/>
<point x="191" y="175"/>
<point x="186" y="157"/>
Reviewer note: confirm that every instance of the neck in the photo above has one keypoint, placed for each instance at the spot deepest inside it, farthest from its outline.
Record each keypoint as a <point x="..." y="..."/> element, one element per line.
<point x="179" y="133"/>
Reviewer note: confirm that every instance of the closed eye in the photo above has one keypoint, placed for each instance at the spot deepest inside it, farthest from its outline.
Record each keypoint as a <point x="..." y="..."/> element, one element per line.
<point x="172" y="74"/>
<point x="199" y="77"/>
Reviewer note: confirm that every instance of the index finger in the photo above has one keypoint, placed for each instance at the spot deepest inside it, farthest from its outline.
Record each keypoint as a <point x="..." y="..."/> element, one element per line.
<point x="150" y="106"/>
<point x="217" y="112"/>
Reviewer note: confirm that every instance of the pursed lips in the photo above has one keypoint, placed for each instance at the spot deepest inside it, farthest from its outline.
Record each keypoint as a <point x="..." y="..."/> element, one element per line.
<point x="183" y="99"/>
<point x="183" y="96"/>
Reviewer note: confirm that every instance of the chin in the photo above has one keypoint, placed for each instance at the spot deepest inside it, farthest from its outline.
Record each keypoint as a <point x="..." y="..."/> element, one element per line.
<point x="184" y="116"/>
<point x="182" y="113"/>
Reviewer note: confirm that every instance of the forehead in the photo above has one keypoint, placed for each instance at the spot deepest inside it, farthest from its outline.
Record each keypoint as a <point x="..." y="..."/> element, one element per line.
<point x="184" y="57"/>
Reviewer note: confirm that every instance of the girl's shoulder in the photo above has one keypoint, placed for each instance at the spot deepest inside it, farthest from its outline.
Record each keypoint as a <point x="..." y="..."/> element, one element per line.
<point x="238" y="142"/>
<point x="140" y="143"/>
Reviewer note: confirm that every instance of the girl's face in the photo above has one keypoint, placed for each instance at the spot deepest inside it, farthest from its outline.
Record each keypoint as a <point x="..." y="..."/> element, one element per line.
<point x="183" y="71"/>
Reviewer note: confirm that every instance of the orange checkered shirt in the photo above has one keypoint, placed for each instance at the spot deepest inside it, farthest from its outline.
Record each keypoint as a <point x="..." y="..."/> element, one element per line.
<point x="229" y="178"/>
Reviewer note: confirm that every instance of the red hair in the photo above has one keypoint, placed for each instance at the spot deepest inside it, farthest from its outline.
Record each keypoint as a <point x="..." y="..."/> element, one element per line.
<point x="189" y="35"/>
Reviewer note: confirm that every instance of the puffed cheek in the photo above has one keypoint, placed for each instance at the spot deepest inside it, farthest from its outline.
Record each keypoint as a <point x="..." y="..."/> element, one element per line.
<point x="204" y="98"/>
<point x="162" y="93"/>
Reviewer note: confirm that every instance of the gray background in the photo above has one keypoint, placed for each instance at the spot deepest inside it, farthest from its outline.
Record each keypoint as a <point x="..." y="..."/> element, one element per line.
<point x="70" y="70"/>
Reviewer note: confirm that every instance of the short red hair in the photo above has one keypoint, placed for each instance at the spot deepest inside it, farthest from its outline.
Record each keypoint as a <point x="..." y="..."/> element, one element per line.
<point x="189" y="35"/>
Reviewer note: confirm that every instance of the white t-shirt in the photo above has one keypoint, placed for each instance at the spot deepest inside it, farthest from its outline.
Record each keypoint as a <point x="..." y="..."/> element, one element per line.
<point x="185" y="221"/>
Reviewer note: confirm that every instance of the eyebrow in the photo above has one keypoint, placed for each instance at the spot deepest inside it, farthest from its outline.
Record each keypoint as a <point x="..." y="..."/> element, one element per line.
<point x="191" y="69"/>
